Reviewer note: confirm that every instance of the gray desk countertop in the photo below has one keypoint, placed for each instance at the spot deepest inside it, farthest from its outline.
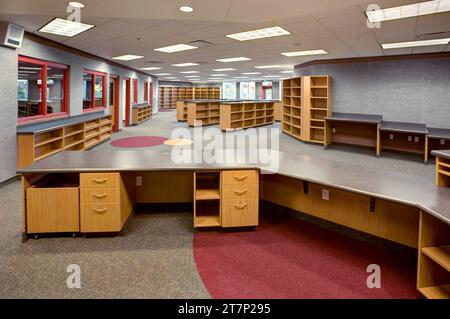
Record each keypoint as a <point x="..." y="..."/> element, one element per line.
<point x="444" y="154"/>
<point x="354" y="117"/>
<point x="408" y="189"/>
<point x="439" y="133"/>
<point x="404" y="127"/>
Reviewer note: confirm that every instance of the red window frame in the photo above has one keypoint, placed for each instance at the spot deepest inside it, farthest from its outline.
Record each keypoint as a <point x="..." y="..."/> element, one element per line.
<point x="146" y="91"/>
<point x="43" y="106"/>
<point x="94" y="74"/>
<point x="135" y="91"/>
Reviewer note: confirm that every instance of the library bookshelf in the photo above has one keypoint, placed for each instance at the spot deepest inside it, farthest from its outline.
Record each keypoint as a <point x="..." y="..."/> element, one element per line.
<point x="182" y="111"/>
<point x="169" y="95"/>
<point x="141" y="114"/>
<point x="79" y="136"/>
<point x="433" y="271"/>
<point x="241" y="115"/>
<point x="203" y="113"/>
<point x="306" y="102"/>
<point x="207" y="199"/>
<point x="442" y="171"/>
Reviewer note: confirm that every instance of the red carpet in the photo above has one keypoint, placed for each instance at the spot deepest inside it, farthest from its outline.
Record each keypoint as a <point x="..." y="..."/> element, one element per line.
<point x="288" y="258"/>
<point x="139" y="141"/>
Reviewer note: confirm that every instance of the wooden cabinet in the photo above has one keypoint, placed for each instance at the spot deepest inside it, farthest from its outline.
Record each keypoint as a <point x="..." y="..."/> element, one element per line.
<point x="240" y="198"/>
<point x="107" y="200"/>
<point x="52" y="206"/>
<point x="246" y="114"/>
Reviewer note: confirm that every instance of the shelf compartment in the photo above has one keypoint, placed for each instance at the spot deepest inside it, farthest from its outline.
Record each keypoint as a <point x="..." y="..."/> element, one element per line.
<point x="320" y="81"/>
<point x="48" y="149"/>
<point x="439" y="254"/>
<point x="48" y="137"/>
<point x="207" y="194"/>
<point x="436" y="292"/>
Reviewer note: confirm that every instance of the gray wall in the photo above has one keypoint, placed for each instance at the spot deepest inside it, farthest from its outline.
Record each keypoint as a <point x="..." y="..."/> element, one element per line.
<point x="8" y="91"/>
<point x="8" y="113"/>
<point x="401" y="90"/>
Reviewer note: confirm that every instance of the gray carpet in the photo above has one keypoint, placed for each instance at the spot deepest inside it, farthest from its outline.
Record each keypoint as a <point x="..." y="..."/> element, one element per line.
<point x="153" y="258"/>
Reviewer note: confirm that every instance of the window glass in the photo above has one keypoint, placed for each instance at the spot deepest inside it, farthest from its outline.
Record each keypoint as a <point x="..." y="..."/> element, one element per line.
<point x="98" y="91"/>
<point x="247" y="90"/>
<point x="87" y="90"/>
<point x="229" y="90"/>
<point x="55" y="90"/>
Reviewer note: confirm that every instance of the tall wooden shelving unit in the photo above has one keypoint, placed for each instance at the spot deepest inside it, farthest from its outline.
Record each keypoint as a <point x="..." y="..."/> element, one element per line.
<point x="306" y="102"/>
<point x="169" y="95"/>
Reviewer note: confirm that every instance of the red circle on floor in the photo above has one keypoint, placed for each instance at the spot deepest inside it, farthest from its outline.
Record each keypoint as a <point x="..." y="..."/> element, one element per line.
<point x="289" y="258"/>
<point x="138" y="141"/>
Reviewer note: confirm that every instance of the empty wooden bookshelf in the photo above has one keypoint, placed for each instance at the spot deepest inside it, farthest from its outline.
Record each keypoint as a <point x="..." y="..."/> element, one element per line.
<point x="238" y="115"/>
<point x="203" y="113"/>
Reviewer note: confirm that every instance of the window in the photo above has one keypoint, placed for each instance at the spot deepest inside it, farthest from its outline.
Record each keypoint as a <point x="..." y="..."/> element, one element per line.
<point x="229" y="90"/>
<point x="145" y="91"/>
<point x="247" y="91"/>
<point x="135" y="91"/>
<point x="42" y="88"/>
<point x="94" y="90"/>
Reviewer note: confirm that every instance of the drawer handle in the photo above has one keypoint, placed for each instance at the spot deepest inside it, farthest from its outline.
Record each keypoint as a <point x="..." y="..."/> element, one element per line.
<point x="240" y="206"/>
<point x="100" y="196"/>
<point x="100" y="180"/>
<point x="240" y="178"/>
<point x="240" y="192"/>
<point x="100" y="210"/>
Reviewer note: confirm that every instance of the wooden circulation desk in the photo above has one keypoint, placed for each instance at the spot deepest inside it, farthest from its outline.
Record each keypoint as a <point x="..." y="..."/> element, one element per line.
<point x="83" y="193"/>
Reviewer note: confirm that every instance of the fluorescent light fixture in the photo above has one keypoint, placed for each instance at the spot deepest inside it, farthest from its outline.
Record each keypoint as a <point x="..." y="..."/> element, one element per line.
<point x="65" y="27"/>
<point x="171" y="78"/>
<point x="176" y="48"/>
<point x="251" y="73"/>
<point x="190" y="72"/>
<point x="304" y="53"/>
<point x="192" y="76"/>
<point x="150" y="68"/>
<point x="259" y="34"/>
<point x="276" y="66"/>
<point x="412" y="44"/>
<point x="77" y="5"/>
<point x="240" y="77"/>
<point x="181" y="65"/>
<point x="127" y="57"/>
<point x="29" y="68"/>
<point x="286" y="71"/>
<point x="163" y="74"/>
<point x="271" y="76"/>
<point x="219" y="74"/>
<point x="238" y="59"/>
<point x="408" y="11"/>
<point x="186" y="9"/>
<point x="222" y="70"/>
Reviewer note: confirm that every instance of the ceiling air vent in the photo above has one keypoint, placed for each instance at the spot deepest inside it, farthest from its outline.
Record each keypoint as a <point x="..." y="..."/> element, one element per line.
<point x="154" y="62"/>
<point x="200" y="43"/>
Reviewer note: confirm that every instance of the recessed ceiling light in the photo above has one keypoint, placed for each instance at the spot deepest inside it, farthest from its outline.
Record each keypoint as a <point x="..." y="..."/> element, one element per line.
<point x="259" y="34"/>
<point x="127" y="57"/>
<point x="271" y="76"/>
<point x="251" y="73"/>
<point x="408" y="11"/>
<point x="150" y="68"/>
<point x="240" y="77"/>
<point x="171" y="78"/>
<point x="222" y="70"/>
<point x="190" y="72"/>
<point x="303" y="53"/>
<point x="411" y="44"/>
<point x="65" y="27"/>
<point x="286" y="71"/>
<point x="192" y="76"/>
<point x="163" y="74"/>
<point x="238" y="59"/>
<point x="218" y="74"/>
<point x="277" y="66"/>
<point x="78" y="5"/>
<point x="181" y="65"/>
<point x="186" y="9"/>
<point x="176" y="48"/>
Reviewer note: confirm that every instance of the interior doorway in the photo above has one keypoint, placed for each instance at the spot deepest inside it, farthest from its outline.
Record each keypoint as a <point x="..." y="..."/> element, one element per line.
<point x="114" y="100"/>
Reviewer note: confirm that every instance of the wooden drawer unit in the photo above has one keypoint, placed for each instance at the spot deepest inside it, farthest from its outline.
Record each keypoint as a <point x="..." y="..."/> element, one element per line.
<point x="52" y="206"/>
<point x="99" y="195"/>
<point x="99" y="180"/>
<point x="240" y="198"/>
<point x="240" y="212"/>
<point x="240" y="177"/>
<point x="240" y="191"/>
<point x="100" y="218"/>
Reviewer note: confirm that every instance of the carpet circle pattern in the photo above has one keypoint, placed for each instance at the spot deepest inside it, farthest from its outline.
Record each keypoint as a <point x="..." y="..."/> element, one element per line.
<point x="288" y="258"/>
<point x="178" y="142"/>
<point x="138" y="141"/>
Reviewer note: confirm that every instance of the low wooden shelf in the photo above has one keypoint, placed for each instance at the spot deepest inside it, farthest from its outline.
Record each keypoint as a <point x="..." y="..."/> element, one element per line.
<point x="207" y="190"/>
<point x="169" y="95"/>
<point x="203" y="113"/>
<point x="241" y="115"/>
<point x="141" y="114"/>
<point x="442" y="167"/>
<point x="78" y="136"/>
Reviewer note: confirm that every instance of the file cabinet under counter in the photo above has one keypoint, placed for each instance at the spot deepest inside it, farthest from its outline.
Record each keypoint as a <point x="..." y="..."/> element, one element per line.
<point x="240" y="198"/>
<point x="106" y="201"/>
